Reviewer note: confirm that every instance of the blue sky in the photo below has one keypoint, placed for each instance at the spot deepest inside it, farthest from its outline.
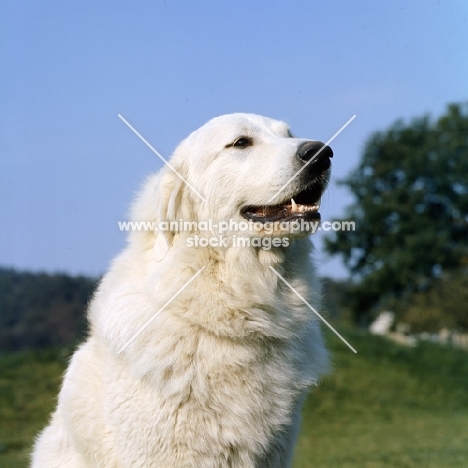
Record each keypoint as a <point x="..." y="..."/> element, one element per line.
<point x="69" y="167"/>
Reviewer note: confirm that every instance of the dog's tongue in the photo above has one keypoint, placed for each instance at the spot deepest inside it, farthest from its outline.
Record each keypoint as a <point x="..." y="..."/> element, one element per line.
<point x="270" y="211"/>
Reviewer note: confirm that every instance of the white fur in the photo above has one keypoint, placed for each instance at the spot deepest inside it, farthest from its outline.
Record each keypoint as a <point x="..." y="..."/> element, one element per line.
<point x="217" y="378"/>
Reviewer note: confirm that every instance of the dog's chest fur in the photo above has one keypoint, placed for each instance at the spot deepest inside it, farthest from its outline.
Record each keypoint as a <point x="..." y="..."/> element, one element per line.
<point x="206" y="383"/>
<point x="214" y="398"/>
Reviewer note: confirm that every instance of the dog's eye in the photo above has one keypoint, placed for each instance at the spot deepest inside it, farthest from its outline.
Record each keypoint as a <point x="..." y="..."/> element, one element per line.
<point x="243" y="142"/>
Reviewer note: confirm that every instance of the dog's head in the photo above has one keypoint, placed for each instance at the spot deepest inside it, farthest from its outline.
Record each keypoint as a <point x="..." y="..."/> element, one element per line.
<point x="239" y="168"/>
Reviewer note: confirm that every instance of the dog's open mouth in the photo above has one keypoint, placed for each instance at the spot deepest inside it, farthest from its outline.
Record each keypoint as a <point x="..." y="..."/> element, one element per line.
<point x="304" y="205"/>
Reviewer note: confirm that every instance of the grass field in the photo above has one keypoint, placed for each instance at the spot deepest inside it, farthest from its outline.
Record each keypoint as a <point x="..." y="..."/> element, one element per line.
<point x="387" y="406"/>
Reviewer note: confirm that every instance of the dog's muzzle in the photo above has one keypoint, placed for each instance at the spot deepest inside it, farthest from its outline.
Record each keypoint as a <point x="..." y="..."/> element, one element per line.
<point x="305" y="203"/>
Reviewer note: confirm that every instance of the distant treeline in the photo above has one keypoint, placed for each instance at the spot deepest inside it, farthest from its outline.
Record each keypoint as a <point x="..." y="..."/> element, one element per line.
<point x="39" y="310"/>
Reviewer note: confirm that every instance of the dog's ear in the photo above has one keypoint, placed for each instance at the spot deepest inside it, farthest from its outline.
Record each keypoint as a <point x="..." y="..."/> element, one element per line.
<point x="156" y="207"/>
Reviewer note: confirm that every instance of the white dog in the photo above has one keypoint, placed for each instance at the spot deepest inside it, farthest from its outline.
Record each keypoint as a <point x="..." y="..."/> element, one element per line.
<point x="200" y="352"/>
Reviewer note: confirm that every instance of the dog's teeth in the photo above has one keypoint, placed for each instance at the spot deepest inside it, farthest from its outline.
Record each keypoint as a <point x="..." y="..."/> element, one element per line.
<point x="293" y="205"/>
<point x="299" y="208"/>
<point x="312" y="208"/>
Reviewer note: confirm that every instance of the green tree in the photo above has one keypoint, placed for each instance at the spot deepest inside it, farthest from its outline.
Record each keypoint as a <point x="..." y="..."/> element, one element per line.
<point x="410" y="209"/>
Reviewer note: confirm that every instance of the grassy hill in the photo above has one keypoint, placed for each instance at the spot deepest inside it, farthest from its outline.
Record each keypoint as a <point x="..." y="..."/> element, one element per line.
<point x="387" y="406"/>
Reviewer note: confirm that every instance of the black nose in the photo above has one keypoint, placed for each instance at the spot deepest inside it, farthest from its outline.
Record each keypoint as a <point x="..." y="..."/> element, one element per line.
<point x="314" y="150"/>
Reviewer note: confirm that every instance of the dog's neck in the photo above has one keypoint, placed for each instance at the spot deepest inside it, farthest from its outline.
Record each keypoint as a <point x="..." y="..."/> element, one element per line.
<point x="249" y="282"/>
